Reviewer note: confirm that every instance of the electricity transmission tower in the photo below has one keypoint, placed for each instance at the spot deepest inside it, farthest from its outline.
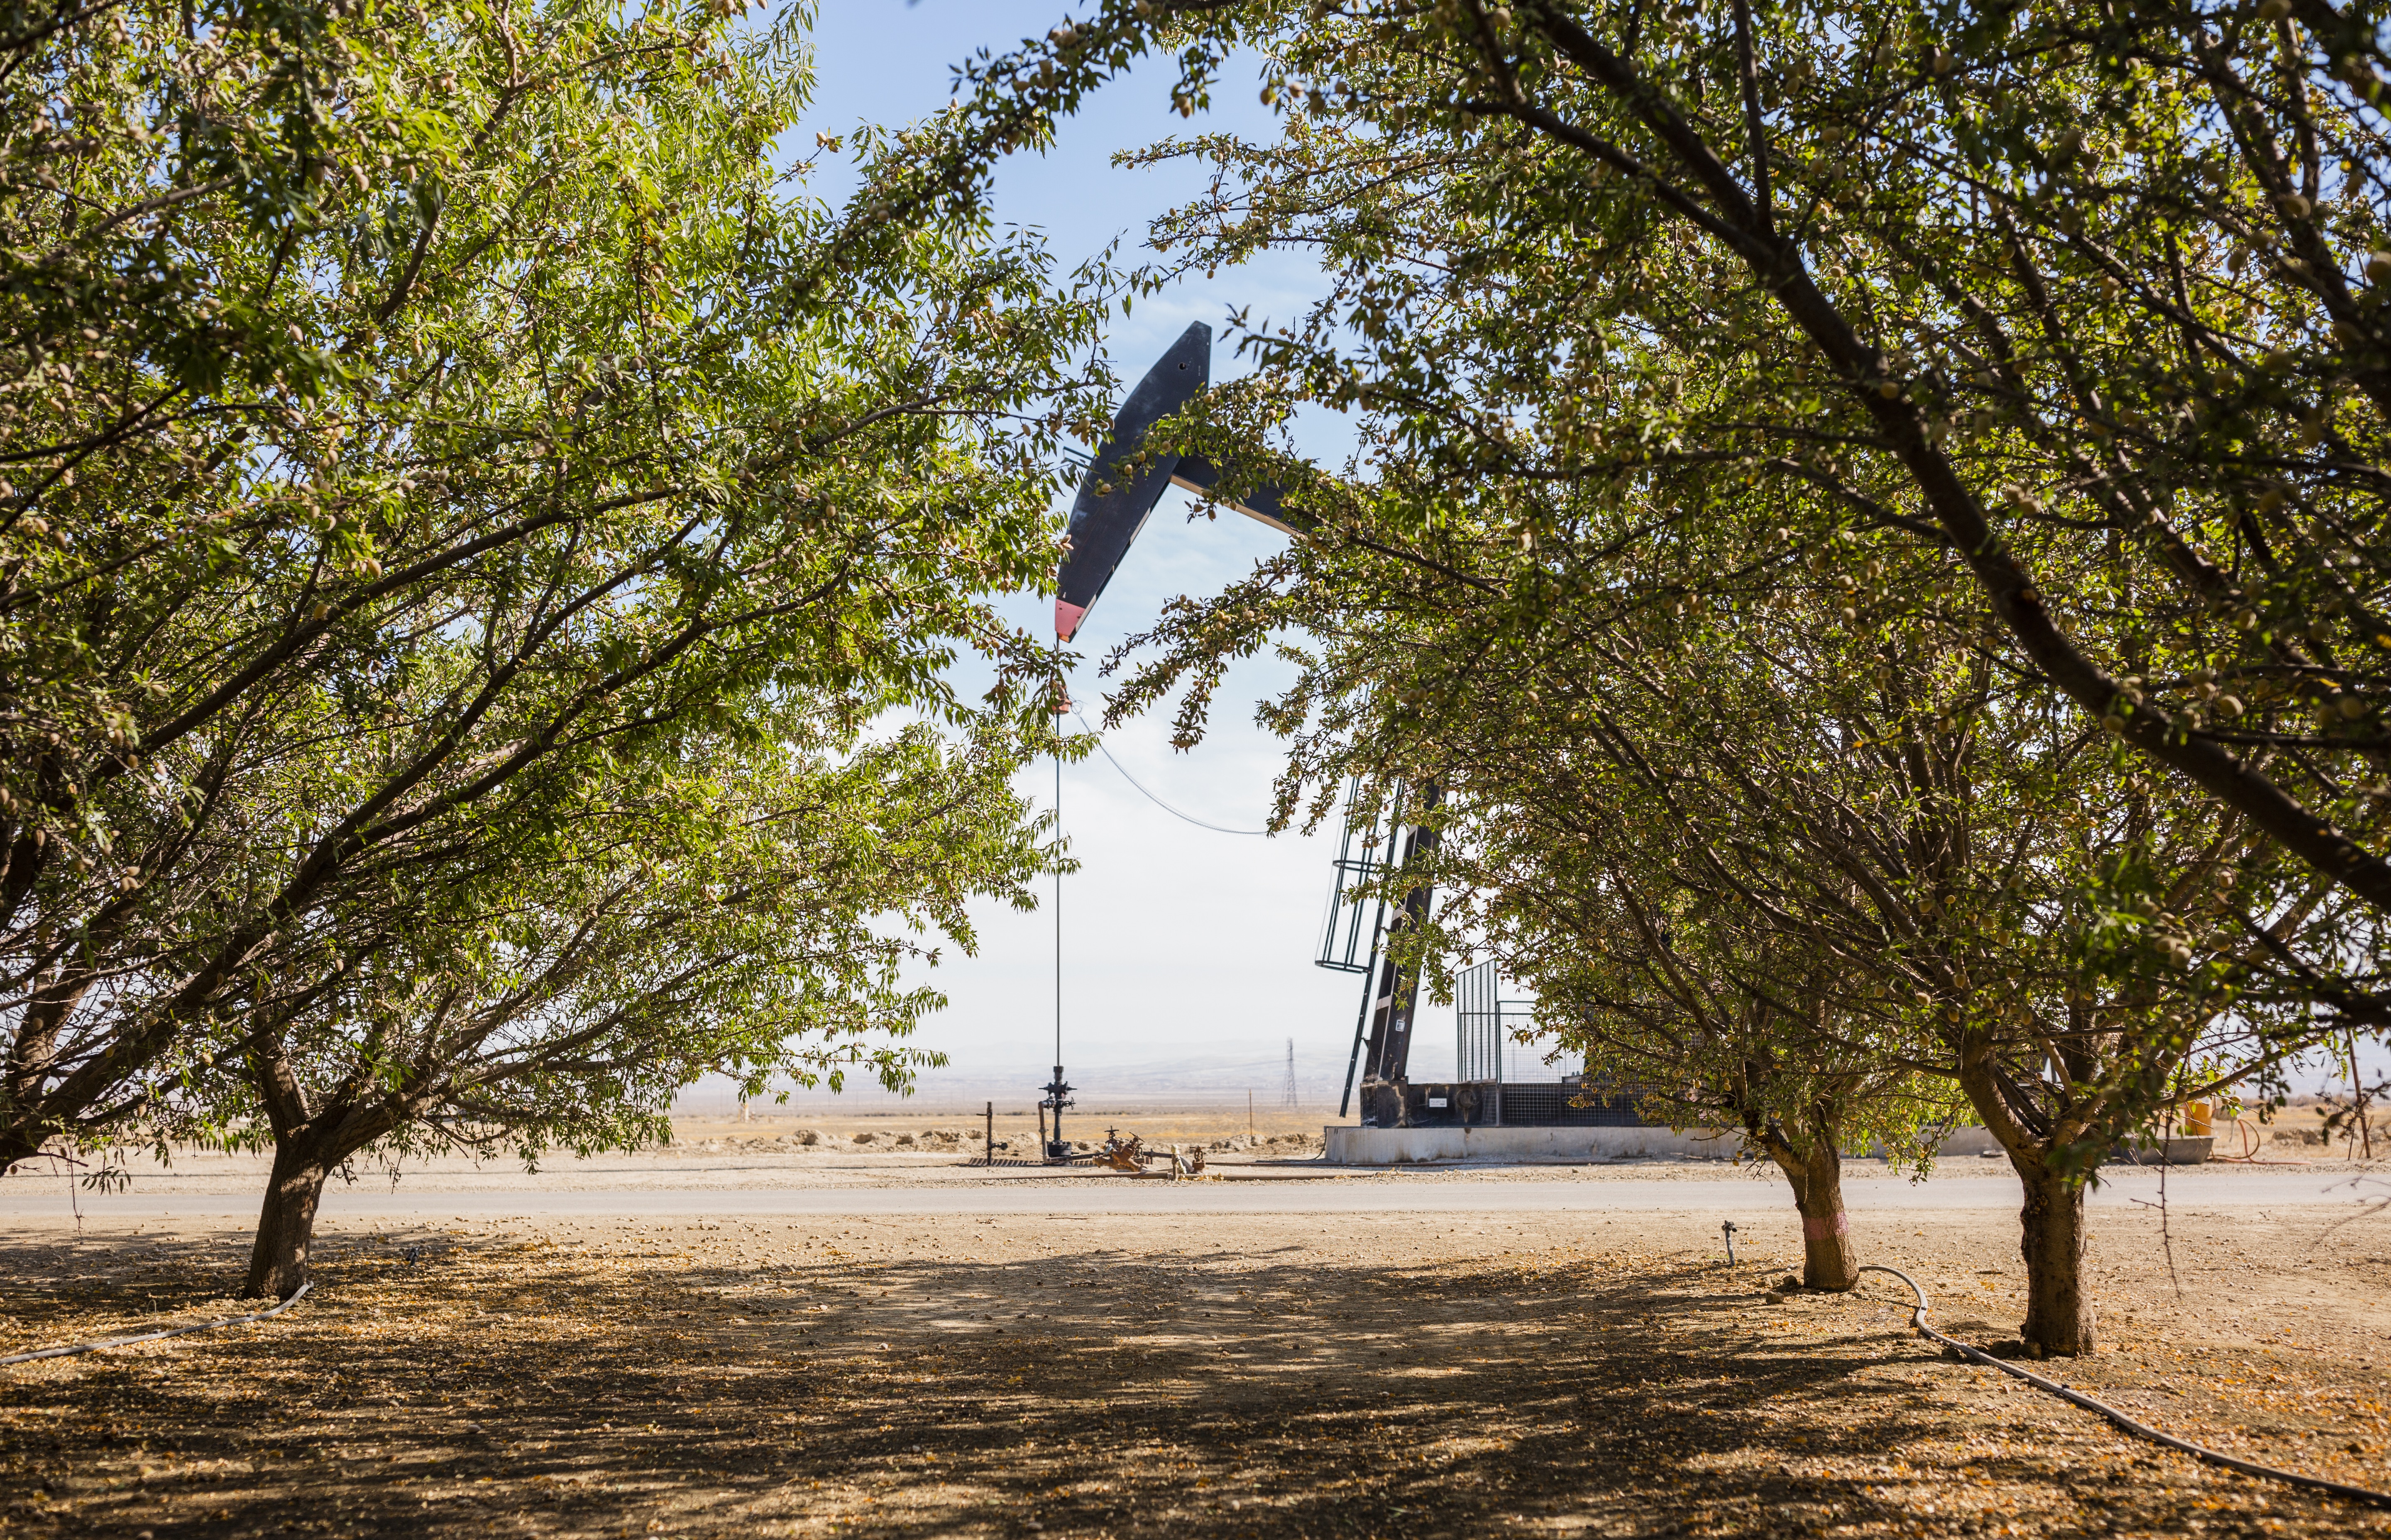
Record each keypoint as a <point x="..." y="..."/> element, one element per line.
<point x="1290" y="1098"/>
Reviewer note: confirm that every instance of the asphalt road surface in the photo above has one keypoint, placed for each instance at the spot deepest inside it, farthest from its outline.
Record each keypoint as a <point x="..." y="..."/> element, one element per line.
<point x="31" y="1199"/>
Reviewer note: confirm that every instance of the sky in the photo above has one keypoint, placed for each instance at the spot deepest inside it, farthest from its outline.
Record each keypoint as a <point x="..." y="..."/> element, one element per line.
<point x="1185" y="952"/>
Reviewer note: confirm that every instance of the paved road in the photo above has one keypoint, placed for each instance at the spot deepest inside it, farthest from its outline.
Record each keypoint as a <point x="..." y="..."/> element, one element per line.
<point x="28" y="1201"/>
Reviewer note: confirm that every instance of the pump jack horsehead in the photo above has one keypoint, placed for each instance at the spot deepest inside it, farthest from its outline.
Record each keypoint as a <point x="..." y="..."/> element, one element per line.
<point x="1113" y="506"/>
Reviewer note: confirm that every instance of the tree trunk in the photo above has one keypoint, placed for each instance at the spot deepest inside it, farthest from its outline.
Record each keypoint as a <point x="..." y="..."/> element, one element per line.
<point x="1816" y="1175"/>
<point x="278" y="1263"/>
<point x="32" y="1117"/>
<point x="1828" y="1260"/>
<point x="2057" y="1311"/>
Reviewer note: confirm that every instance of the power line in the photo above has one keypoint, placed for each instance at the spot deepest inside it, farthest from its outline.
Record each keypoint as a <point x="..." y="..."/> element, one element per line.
<point x="1149" y="796"/>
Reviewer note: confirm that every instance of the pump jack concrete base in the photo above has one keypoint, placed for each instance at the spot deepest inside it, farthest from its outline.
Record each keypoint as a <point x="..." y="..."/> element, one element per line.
<point x="1396" y="1147"/>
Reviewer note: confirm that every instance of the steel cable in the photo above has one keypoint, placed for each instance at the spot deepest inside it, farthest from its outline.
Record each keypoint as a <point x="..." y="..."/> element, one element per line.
<point x="2140" y="1430"/>
<point x="154" y="1336"/>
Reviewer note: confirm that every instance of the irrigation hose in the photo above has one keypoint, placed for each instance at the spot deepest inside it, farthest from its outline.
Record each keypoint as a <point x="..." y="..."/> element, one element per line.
<point x="73" y="1348"/>
<point x="2118" y="1419"/>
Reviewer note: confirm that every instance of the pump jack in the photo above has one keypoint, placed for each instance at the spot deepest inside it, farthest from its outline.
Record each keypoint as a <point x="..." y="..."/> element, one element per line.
<point x="1112" y="506"/>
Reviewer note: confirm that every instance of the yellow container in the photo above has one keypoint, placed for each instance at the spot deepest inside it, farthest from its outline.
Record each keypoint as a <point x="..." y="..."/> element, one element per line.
<point x="2195" y="1121"/>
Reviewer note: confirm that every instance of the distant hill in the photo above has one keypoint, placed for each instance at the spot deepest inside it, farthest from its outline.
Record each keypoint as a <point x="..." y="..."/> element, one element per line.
<point x="1201" y="1081"/>
<point x="1196" y="1081"/>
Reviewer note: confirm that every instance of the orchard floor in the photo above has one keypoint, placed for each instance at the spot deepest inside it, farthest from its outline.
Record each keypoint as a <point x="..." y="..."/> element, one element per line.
<point x="1302" y="1372"/>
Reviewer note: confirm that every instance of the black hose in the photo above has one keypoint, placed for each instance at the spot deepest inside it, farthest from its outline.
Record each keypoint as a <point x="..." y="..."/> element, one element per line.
<point x="2140" y="1430"/>
<point x="153" y="1336"/>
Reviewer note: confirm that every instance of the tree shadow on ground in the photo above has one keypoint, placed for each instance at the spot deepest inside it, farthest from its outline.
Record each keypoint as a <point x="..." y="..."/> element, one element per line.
<point x="490" y="1386"/>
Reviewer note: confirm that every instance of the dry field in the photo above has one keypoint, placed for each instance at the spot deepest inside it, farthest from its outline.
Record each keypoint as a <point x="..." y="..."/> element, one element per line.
<point x="1273" y="1131"/>
<point x="1255" y="1373"/>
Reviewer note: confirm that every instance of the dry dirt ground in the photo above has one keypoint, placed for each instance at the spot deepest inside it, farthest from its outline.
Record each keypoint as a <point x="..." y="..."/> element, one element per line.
<point x="1249" y="1375"/>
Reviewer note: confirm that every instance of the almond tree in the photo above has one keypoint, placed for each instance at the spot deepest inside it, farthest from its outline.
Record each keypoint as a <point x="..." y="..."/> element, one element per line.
<point x="585" y="430"/>
<point x="1658" y="988"/>
<point x="1725" y="826"/>
<point x="1589" y="862"/>
<point x="733" y="902"/>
